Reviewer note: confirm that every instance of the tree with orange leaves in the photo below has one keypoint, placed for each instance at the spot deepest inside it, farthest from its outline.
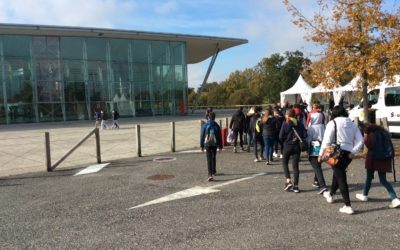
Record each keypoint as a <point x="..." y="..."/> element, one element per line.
<point x="357" y="36"/>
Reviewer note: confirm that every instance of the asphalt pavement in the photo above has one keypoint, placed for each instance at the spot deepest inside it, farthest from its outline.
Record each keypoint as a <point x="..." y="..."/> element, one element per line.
<point x="250" y="211"/>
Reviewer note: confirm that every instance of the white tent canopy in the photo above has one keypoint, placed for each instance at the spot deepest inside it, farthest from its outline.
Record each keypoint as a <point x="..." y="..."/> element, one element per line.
<point x="340" y="91"/>
<point x="301" y="88"/>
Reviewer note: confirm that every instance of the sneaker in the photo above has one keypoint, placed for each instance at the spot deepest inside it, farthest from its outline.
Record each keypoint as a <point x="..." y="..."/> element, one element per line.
<point x="346" y="210"/>
<point x="323" y="190"/>
<point x="280" y="156"/>
<point x="328" y="197"/>
<point x="362" y="197"/>
<point x="395" y="203"/>
<point x="288" y="186"/>
<point x="275" y="155"/>
<point x="315" y="184"/>
<point x="256" y="160"/>
<point x="210" y="178"/>
<point x="296" y="189"/>
<point x="267" y="163"/>
<point x="234" y="150"/>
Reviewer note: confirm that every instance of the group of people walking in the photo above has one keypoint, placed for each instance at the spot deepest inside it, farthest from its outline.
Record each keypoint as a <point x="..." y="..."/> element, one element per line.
<point x="283" y="133"/>
<point x="101" y="118"/>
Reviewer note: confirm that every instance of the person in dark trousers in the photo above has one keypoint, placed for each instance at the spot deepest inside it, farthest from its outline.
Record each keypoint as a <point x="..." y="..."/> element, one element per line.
<point x="291" y="148"/>
<point x="210" y="139"/>
<point x="278" y="145"/>
<point x="247" y="130"/>
<point x="382" y="165"/>
<point x="256" y="127"/>
<point x="208" y="111"/>
<point x="104" y="118"/>
<point x="237" y="125"/>
<point x="97" y="117"/>
<point x="115" y="116"/>
<point x="315" y="134"/>
<point x="346" y="134"/>
<point x="268" y="132"/>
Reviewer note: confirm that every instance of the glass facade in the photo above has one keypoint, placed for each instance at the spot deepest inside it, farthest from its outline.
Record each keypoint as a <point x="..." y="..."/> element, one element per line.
<point x="50" y="78"/>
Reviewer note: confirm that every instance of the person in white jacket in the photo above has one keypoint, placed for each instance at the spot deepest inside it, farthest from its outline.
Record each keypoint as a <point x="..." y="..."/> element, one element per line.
<point x="349" y="137"/>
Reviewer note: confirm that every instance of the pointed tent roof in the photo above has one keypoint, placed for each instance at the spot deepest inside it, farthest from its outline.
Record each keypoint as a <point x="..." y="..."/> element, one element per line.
<point x="301" y="86"/>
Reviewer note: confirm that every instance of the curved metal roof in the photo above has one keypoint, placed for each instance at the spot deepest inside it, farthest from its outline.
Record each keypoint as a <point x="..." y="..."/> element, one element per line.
<point x="199" y="48"/>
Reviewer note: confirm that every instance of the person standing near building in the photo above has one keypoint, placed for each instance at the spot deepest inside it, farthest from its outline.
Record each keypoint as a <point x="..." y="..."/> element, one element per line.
<point x="104" y="118"/>
<point x="379" y="158"/>
<point x="97" y="118"/>
<point x="342" y="131"/>
<point x="210" y="139"/>
<point x="315" y="132"/>
<point x="291" y="148"/>
<point x="268" y="132"/>
<point x="237" y="125"/>
<point x="115" y="116"/>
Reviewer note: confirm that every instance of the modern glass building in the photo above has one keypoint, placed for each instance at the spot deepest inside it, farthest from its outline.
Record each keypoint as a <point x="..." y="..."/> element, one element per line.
<point x="50" y="73"/>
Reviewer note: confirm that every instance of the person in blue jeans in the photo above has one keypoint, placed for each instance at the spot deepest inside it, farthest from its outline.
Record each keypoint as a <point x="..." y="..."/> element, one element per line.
<point x="382" y="166"/>
<point x="268" y="131"/>
<point x="210" y="140"/>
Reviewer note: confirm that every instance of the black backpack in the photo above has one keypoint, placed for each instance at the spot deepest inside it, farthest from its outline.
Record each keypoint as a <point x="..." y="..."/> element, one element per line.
<point x="383" y="146"/>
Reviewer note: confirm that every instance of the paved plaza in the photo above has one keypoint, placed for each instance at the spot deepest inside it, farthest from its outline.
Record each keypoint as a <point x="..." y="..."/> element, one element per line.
<point x="244" y="208"/>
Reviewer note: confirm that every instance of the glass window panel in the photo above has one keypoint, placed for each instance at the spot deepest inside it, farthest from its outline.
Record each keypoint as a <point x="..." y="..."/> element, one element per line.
<point x="120" y="71"/>
<point x="140" y="72"/>
<point x="17" y="46"/>
<point x="74" y="92"/>
<point x="49" y="91"/>
<point x="178" y="51"/>
<point x="97" y="73"/>
<point x="159" y="52"/>
<point x="119" y="49"/>
<point x="20" y="113"/>
<point x="73" y="70"/>
<point x="392" y="96"/>
<point x="96" y="48"/>
<point x="76" y="111"/>
<point x="49" y="112"/>
<point x="2" y="114"/>
<point x="39" y="47"/>
<point x="53" y="47"/>
<point x="18" y="80"/>
<point x="140" y="51"/>
<point x="71" y="48"/>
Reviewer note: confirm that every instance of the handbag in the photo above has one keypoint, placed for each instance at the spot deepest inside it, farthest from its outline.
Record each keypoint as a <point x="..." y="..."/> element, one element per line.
<point x="303" y="143"/>
<point x="231" y="137"/>
<point x="332" y="153"/>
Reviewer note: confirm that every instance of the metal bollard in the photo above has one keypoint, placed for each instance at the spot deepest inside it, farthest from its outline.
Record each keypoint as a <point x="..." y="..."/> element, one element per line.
<point x="47" y="146"/>
<point x="220" y="123"/>
<point x="385" y="123"/>
<point x="356" y="121"/>
<point x="138" y="142"/>
<point x="226" y="122"/>
<point x="98" y="151"/>
<point x="172" y="136"/>
<point x="378" y="121"/>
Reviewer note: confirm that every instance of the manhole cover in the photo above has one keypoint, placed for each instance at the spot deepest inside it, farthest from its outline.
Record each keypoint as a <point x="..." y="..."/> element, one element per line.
<point x="160" y="177"/>
<point x="164" y="159"/>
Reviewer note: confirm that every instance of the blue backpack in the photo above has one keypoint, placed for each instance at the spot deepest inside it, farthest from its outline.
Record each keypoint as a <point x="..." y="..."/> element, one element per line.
<point x="209" y="139"/>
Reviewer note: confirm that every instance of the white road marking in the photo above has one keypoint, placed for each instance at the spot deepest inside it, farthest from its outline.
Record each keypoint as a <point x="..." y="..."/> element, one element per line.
<point x="92" y="169"/>
<point x="189" y="151"/>
<point x="194" y="191"/>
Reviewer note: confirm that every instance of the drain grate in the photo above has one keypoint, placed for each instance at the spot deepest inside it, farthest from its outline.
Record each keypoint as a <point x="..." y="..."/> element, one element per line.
<point x="160" y="177"/>
<point x="164" y="159"/>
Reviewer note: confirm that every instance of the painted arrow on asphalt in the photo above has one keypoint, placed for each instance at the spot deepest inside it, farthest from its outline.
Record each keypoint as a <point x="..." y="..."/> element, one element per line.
<point x="194" y="191"/>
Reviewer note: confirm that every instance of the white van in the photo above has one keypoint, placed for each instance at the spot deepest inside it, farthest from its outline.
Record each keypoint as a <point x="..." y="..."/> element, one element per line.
<point x="386" y="101"/>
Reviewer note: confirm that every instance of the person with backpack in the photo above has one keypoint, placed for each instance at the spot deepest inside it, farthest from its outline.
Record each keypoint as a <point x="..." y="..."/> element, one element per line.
<point x="210" y="139"/>
<point x="290" y="132"/>
<point x="237" y="125"/>
<point x="343" y="132"/>
<point x="380" y="158"/>
<point x="256" y="127"/>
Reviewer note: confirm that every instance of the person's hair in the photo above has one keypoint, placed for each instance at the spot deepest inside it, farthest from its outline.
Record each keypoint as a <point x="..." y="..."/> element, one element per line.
<point x="290" y="112"/>
<point x="296" y="105"/>
<point x="339" y="111"/>
<point x="211" y="116"/>
<point x="276" y="109"/>
<point x="371" y="128"/>
<point x="316" y="104"/>
<point x="267" y="110"/>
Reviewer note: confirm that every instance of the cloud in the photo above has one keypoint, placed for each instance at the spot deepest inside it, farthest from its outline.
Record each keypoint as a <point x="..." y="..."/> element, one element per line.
<point x="166" y="8"/>
<point x="94" y="13"/>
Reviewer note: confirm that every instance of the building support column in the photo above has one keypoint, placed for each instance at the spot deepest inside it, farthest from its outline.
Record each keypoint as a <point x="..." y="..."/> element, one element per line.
<point x="3" y="81"/>
<point x="131" y="82"/>
<point x="150" y="75"/>
<point x="86" y="80"/>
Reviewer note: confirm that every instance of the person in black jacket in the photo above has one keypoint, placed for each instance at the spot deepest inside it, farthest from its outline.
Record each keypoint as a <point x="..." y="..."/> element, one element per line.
<point x="268" y="132"/>
<point x="290" y="132"/>
<point x="237" y="125"/>
<point x="277" y="143"/>
<point x="247" y="130"/>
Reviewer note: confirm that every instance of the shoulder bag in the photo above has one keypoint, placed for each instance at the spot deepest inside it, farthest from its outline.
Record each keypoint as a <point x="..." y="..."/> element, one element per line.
<point x="332" y="153"/>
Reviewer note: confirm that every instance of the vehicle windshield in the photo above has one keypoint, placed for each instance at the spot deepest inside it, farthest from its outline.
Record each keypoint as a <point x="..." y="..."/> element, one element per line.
<point x="392" y="96"/>
<point x="373" y="96"/>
